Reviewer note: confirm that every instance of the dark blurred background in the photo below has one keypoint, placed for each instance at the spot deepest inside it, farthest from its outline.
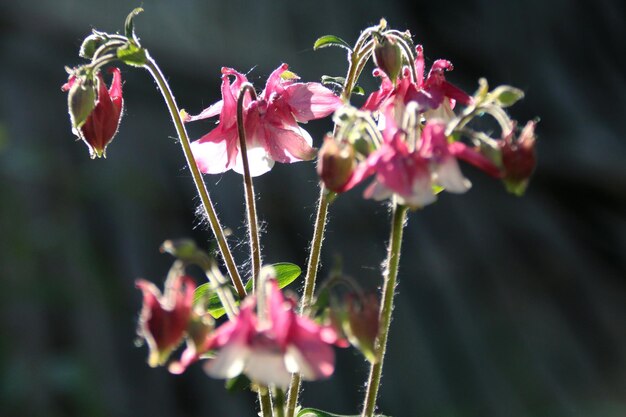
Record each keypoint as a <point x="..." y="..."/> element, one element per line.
<point x="506" y="306"/>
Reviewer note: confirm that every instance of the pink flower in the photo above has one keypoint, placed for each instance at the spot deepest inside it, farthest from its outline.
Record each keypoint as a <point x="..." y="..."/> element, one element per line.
<point x="103" y="121"/>
<point x="409" y="172"/>
<point x="269" y="349"/>
<point x="398" y="170"/>
<point x="430" y="93"/>
<point x="270" y="121"/>
<point x="164" y="318"/>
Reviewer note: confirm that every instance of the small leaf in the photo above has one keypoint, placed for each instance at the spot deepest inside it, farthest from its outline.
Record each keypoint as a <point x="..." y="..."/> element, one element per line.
<point x="313" y="412"/>
<point x="238" y="383"/>
<point x="129" y="25"/>
<point x="506" y="95"/>
<point x="286" y="273"/>
<point x="339" y="81"/>
<point x="132" y="54"/>
<point x="358" y="90"/>
<point x="331" y="40"/>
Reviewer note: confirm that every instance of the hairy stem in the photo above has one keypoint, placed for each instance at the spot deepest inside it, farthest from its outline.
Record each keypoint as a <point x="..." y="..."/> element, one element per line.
<point x="386" y="308"/>
<point x="207" y="204"/>
<point x="309" y="283"/>
<point x="253" y="226"/>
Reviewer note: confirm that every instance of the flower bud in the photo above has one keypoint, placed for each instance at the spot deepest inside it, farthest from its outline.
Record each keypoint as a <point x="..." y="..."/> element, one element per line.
<point x="335" y="163"/>
<point x="81" y="98"/>
<point x="361" y="324"/>
<point x="519" y="159"/>
<point x="388" y="56"/>
<point x="164" y="319"/>
<point x="95" y="117"/>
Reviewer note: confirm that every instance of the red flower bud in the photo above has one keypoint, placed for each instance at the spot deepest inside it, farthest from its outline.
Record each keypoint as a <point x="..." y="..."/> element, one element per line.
<point x="335" y="163"/>
<point x="165" y="318"/>
<point x="95" y="118"/>
<point x="519" y="159"/>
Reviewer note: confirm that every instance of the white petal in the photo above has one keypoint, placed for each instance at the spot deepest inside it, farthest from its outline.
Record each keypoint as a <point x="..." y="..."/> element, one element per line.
<point x="211" y="157"/>
<point x="377" y="191"/>
<point x="229" y="362"/>
<point x="295" y="362"/>
<point x="448" y="175"/>
<point x="421" y="196"/>
<point x="267" y="367"/>
<point x="258" y="160"/>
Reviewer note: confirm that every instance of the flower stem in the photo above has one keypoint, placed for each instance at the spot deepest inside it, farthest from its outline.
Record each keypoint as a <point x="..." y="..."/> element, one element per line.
<point x="309" y="282"/>
<point x="253" y="226"/>
<point x="386" y="308"/>
<point x="209" y="210"/>
<point x="265" y="402"/>
<point x="279" y="402"/>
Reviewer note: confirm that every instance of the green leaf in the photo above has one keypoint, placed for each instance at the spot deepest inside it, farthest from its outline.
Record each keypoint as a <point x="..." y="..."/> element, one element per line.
<point x="132" y="54"/>
<point x="286" y="273"/>
<point x="238" y="383"/>
<point x="331" y="40"/>
<point x="339" y="81"/>
<point x="129" y="25"/>
<point x="212" y="302"/>
<point x="506" y="95"/>
<point x="358" y="90"/>
<point x="313" y="412"/>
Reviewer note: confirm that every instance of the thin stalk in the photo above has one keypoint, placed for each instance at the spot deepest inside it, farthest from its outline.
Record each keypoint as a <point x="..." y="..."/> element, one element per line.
<point x="253" y="226"/>
<point x="386" y="308"/>
<point x="309" y="283"/>
<point x="279" y="402"/>
<point x="265" y="402"/>
<point x="354" y="70"/>
<point x="209" y="210"/>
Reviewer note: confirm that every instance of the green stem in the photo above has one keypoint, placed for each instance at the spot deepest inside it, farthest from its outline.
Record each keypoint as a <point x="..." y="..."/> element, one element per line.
<point x="279" y="402"/>
<point x="386" y="308"/>
<point x="209" y="210"/>
<point x="253" y="226"/>
<point x="309" y="282"/>
<point x="265" y="402"/>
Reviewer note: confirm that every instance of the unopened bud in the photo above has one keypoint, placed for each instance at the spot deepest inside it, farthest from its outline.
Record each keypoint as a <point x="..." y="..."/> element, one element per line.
<point x="361" y="326"/>
<point x="335" y="163"/>
<point x="519" y="159"/>
<point x="81" y="98"/>
<point x="388" y="56"/>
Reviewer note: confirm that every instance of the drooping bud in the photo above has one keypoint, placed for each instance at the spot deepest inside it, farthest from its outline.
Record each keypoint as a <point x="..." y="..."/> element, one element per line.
<point x="95" y="118"/>
<point x="388" y="56"/>
<point x="81" y="98"/>
<point x="519" y="159"/>
<point x="361" y="324"/>
<point x="335" y="163"/>
<point x="165" y="319"/>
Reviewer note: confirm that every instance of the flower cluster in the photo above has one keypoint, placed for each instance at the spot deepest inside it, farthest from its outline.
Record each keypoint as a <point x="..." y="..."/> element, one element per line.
<point x="266" y="342"/>
<point x="410" y="139"/>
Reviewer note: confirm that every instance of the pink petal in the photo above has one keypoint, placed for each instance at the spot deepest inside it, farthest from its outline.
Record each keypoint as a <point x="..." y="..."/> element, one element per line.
<point x="212" y="151"/>
<point x="288" y="143"/>
<point x="310" y="101"/>
<point x="462" y="151"/>
<point x="274" y="84"/>
<point x="313" y="357"/>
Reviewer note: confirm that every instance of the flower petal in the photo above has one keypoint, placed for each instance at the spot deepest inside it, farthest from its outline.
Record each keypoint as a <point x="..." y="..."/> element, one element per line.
<point x="310" y="101"/>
